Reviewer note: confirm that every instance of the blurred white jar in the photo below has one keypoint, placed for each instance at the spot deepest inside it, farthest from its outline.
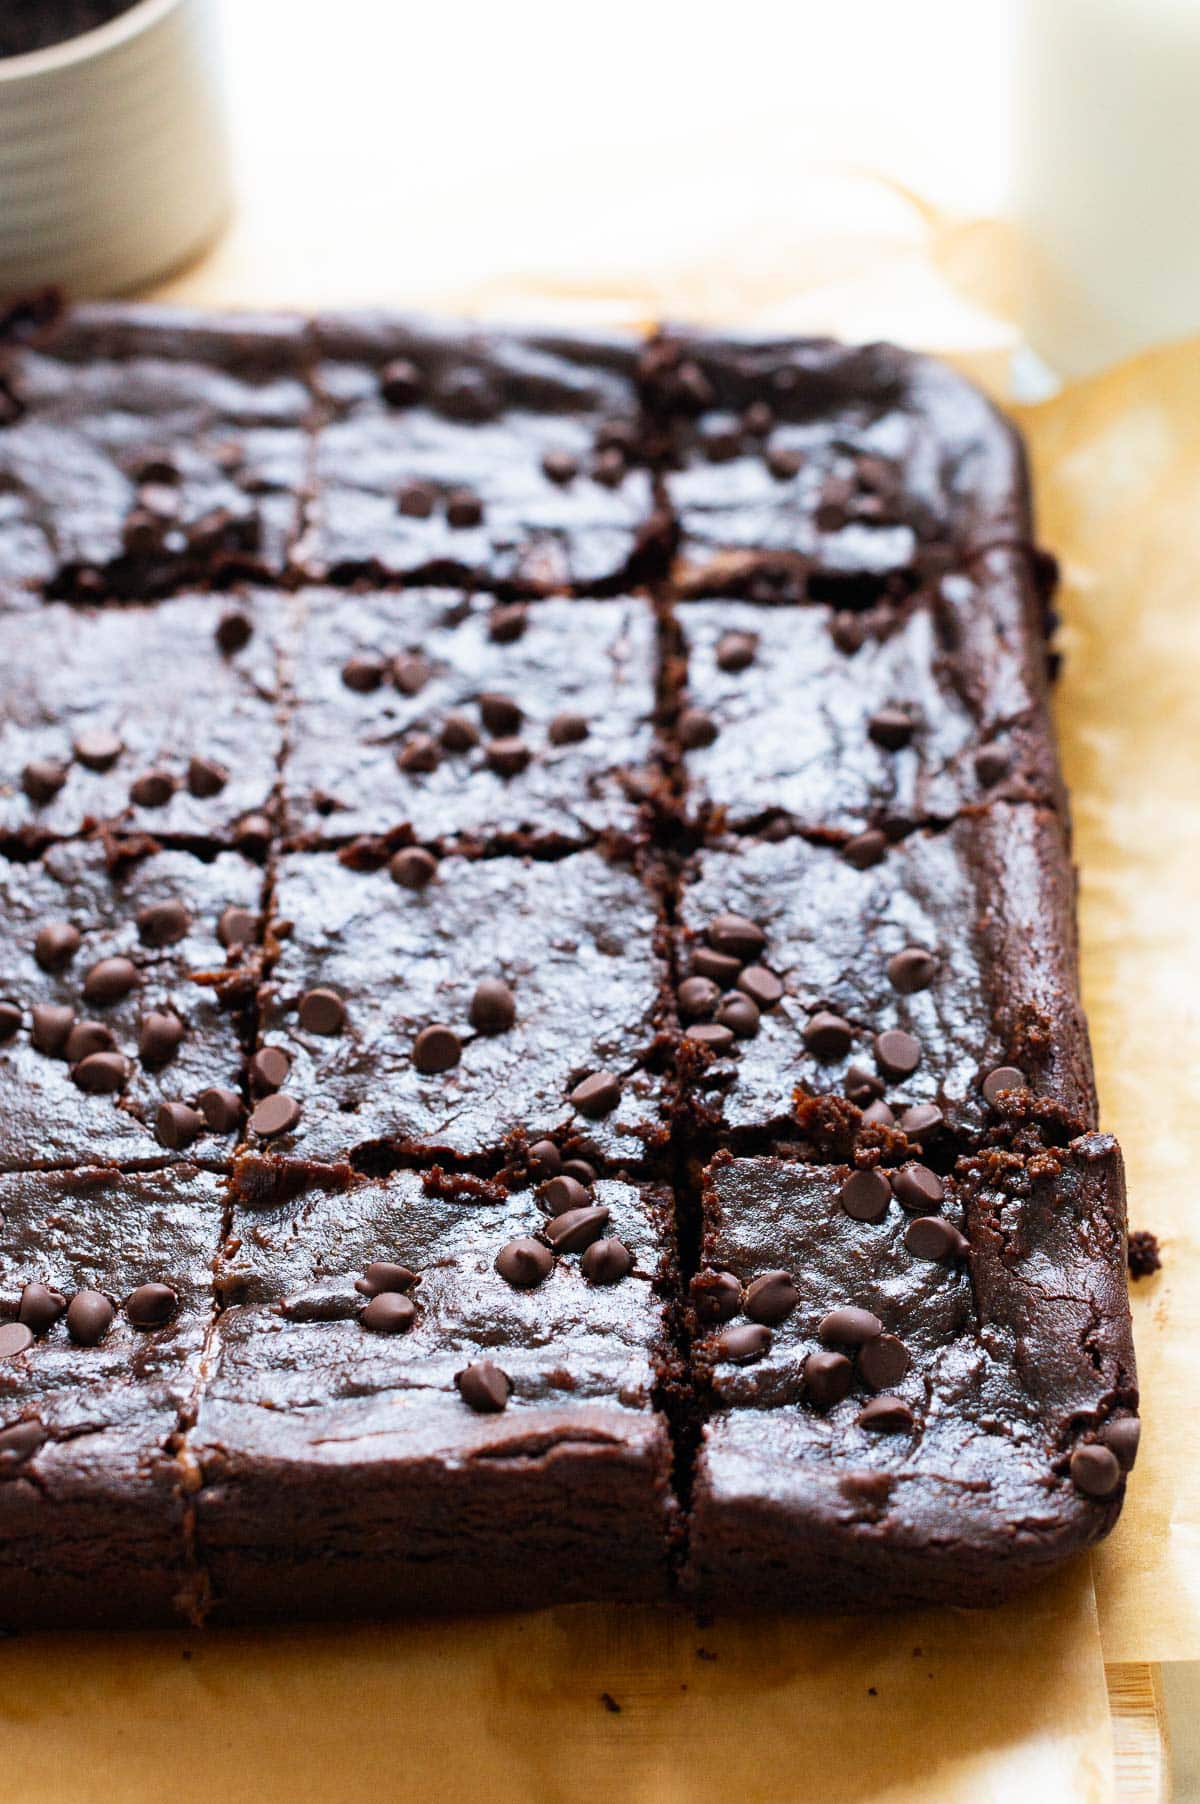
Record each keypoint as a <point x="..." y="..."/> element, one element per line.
<point x="114" y="162"/>
<point x="1107" y="175"/>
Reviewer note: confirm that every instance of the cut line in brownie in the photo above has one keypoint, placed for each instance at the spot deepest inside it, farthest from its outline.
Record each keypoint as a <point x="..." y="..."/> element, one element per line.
<point x="112" y="1051"/>
<point x="105" y="1300"/>
<point x="415" y="1401"/>
<point x="456" y="455"/>
<point x="144" y="449"/>
<point x="458" y="720"/>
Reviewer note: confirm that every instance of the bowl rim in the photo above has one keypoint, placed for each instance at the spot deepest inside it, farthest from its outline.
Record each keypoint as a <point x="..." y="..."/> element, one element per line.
<point x="55" y="58"/>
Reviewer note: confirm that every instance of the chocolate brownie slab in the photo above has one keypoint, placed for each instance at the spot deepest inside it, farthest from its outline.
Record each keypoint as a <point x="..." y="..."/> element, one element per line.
<point x="934" y="1402"/>
<point x="142" y="449"/>
<point x="444" y="1006"/>
<point x="457" y="455"/>
<point x="427" y="1395"/>
<point x="465" y="721"/>
<point x="105" y="1299"/>
<point x="832" y="721"/>
<point x="904" y="984"/>
<point x="111" y="1050"/>
<point x="160" y="718"/>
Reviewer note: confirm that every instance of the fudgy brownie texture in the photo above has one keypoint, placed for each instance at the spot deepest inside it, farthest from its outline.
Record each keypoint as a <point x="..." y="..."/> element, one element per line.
<point x="158" y="718"/>
<point x="459" y="1379"/>
<point x="510" y="460"/>
<point x="105" y="1301"/>
<point x="464" y="722"/>
<point x="110" y="1047"/>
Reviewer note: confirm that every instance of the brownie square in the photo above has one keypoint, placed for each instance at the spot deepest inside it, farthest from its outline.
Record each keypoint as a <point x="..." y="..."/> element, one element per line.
<point x="961" y="940"/>
<point x="103" y="1020"/>
<point x="434" y="711"/>
<point x="836" y="721"/>
<point x="504" y="996"/>
<point x="144" y="450"/>
<point x="454" y="1441"/>
<point x="162" y="719"/>
<point x="105" y="1301"/>
<point x="888" y="1426"/>
<point x="460" y="456"/>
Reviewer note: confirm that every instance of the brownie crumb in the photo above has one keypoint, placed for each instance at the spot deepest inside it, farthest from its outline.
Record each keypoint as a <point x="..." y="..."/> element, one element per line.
<point x="1144" y="1256"/>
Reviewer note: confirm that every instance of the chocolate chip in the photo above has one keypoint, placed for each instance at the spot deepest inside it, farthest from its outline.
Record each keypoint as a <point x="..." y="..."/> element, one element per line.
<point x="322" y="1011"/>
<point x="596" y="1095"/>
<point x="606" y="1262"/>
<point x="162" y="923"/>
<point x="252" y="834"/>
<point x="545" y="1160"/>
<point x="413" y="868"/>
<point x="771" y="1298"/>
<point x="363" y="674"/>
<point x="567" y="729"/>
<point x="717" y="1296"/>
<point x="101" y="1073"/>
<point x="419" y="755"/>
<point x="20" y="1442"/>
<point x="1122" y="1434"/>
<point x="696" y="729"/>
<point x="160" y="1036"/>
<point x="886" y="1415"/>
<point x="400" y="382"/>
<point x="89" y="1317"/>
<point x="992" y="764"/>
<point x="176" y="1125"/>
<point x="234" y="632"/>
<point x="696" y="996"/>
<point x="560" y="466"/>
<point x="52" y="1024"/>
<point x="743" y="1343"/>
<point x="153" y="789"/>
<point x="1004" y="1077"/>
<point x="828" y="1379"/>
<point x="848" y="1326"/>
<point x="109" y="980"/>
<point x="576" y="1229"/>
<point x="827" y="1036"/>
<point x="10" y="1020"/>
<point x="56" y="944"/>
<point x="410" y="672"/>
<point x="99" y="750"/>
<point x="865" y="1195"/>
<point x="150" y="1305"/>
<point x="524" y="1263"/>
<point x="736" y="651"/>
<point x="783" y="463"/>
<point x="897" y="1053"/>
<point x="458" y="734"/>
<point x="608" y="467"/>
<point x="921" y="1121"/>
<point x="865" y="849"/>
<point x="463" y="508"/>
<point x="1095" y="1470"/>
<point x="500" y="714"/>
<point x="15" y="1338"/>
<point x="718" y="967"/>
<point x="276" y="1114"/>
<point x="739" y="1014"/>
<point x="931" y="1237"/>
<point x="269" y="1068"/>
<point x="205" y="777"/>
<point x="877" y="1114"/>
<point x="87" y="1037"/>
<point x="714" y="1039"/>
<point x="890" y="728"/>
<point x="758" y="419"/>
<point x="883" y="1362"/>
<point x="484" y="1387"/>
<point x="736" y="937"/>
<point x="563" y="1193"/>
<point x="508" y="622"/>
<point x="40" y="1307"/>
<point x="236" y="927"/>
<point x="911" y="970"/>
<point x="416" y="500"/>
<point x="221" y="1108"/>
<point x="42" y="779"/>
<point x="389" y="1313"/>
<point x="848" y="633"/>
<point x="762" y="986"/>
<point x="917" y="1189"/>
<point x="436" y="1048"/>
<point x="382" y="1275"/>
<point x="507" y="757"/>
<point x="862" y="1086"/>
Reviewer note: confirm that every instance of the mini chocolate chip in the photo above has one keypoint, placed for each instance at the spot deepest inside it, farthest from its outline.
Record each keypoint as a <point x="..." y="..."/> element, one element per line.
<point x="735" y="936"/>
<point x="162" y="923"/>
<point x="580" y="1170"/>
<point x="921" y="1121"/>
<point x="468" y="394"/>
<point x="719" y="967"/>
<point x="10" y="1020"/>
<point x="563" y="1193"/>
<point x="99" y="750"/>
<point x="87" y="1037"/>
<point x="269" y="1068"/>
<point x="865" y="849"/>
<point x="606" y="1262"/>
<point x="828" y="1379"/>
<point x="458" y="734"/>
<point x="758" y="419"/>
<point x="771" y="1298"/>
<point x="410" y="672"/>
<point x="992" y="764"/>
<point x="596" y="1095"/>
<point x="717" y="1296"/>
<point x="508" y="622"/>
<point x="507" y="757"/>
<point x="878" y="1114"/>
<point x="52" y="1024"/>
<point x="322" y="1011"/>
<point x="463" y="508"/>
<point x="911" y="970"/>
<point x="110" y="979"/>
<point x="739" y="1014"/>
<point x="56" y="944"/>
<point x="865" y="1195"/>
<point x="15" y="1338"/>
<point x="150" y="1305"/>
<point x="1095" y="1470"/>
<point x="762" y="986"/>
<point x="205" y="777"/>
<point x="384" y="1274"/>
<point x="886" y="1415"/>
<point x="891" y="728"/>
<point x="696" y="729"/>
<point x="743" y="1343"/>
<point x="545" y="1160"/>
<point x="1004" y="1077"/>
<point x="696" y="996"/>
<point x="236" y="927"/>
<point x="416" y="500"/>
<point x="576" y="1229"/>
<point x="848" y="633"/>
<point x="848" y="1326"/>
<point x="883" y="1362"/>
<point x="234" y="632"/>
<point x="897" y="1053"/>
<point x="862" y="1086"/>
<point x="275" y="1114"/>
<point x="436" y="1048"/>
<point x="400" y="382"/>
<point x="783" y="463"/>
<point x="736" y="651"/>
<point x="917" y="1189"/>
<point x="413" y="868"/>
<point x="153" y="789"/>
<point x="714" y="1039"/>
<point x="40" y="1307"/>
<point x="560" y="466"/>
<point x="484" y="1387"/>
<point x="252" y="834"/>
<point x="608" y="467"/>
<point x="932" y="1237"/>
<point x="500" y="714"/>
<point x="389" y="1313"/>
<point x="1122" y="1434"/>
<point x="176" y="1125"/>
<point x="827" y="1036"/>
<point x="89" y="1317"/>
<point x="42" y="779"/>
<point x="20" y="1442"/>
<point x="363" y="674"/>
<point x="524" y="1263"/>
<point x="221" y="1108"/>
<point x="101" y="1073"/>
<point x="567" y="729"/>
<point x="419" y="754"/>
